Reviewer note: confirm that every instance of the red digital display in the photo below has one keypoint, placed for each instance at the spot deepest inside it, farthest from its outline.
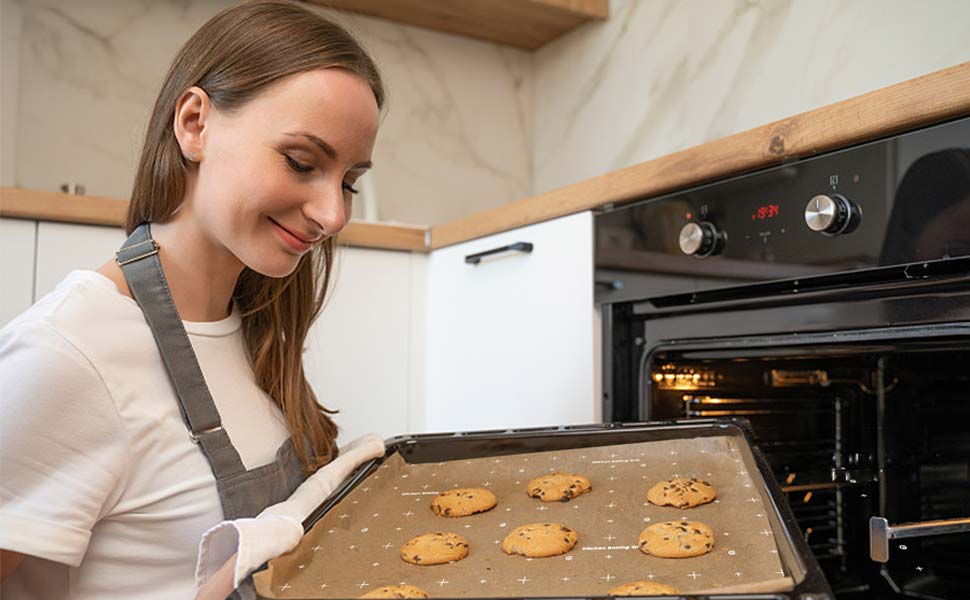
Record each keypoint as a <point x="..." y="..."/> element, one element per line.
<point x="767" y="211"/>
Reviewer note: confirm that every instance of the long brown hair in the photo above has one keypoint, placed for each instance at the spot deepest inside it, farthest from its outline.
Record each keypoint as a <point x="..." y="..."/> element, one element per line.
<point x="233" y="57"/>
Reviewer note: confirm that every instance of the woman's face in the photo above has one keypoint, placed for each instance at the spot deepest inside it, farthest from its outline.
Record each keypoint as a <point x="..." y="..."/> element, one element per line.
<point x="276" y="176"/>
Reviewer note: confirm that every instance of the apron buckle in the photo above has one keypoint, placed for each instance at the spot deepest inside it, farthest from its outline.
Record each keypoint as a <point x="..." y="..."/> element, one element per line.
<point x="195" y="437"/>
<point x="121" y="262"/>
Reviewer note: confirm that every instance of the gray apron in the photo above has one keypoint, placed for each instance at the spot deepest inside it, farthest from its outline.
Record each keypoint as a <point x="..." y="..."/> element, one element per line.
<point x="242" y="493"/>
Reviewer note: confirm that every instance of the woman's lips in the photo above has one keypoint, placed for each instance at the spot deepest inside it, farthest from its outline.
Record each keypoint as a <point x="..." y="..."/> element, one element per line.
<point x="290" y="239"/>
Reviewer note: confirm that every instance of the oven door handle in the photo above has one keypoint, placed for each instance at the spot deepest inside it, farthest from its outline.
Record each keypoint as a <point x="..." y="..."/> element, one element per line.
<point x="880" y="532"/>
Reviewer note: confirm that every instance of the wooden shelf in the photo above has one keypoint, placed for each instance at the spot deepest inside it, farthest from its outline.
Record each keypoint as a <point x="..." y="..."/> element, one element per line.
<point x="527" y="24"/>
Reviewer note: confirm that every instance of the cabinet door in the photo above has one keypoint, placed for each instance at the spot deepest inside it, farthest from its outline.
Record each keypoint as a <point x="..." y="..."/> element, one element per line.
<point x="63" y="247"/>
<point x="510" y="340"/>
<point x="357" y="352"/>
<point x="17" y="239"/>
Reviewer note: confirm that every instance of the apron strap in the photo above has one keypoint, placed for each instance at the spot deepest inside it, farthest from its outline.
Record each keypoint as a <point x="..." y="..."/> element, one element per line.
<point x="138" y="259"/>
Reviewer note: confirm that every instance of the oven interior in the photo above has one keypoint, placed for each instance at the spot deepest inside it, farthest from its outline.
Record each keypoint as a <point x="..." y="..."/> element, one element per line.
<point x="850" y="432"/>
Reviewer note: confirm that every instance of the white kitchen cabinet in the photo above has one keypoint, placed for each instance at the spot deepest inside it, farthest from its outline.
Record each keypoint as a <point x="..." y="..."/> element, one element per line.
<point x="409" y="342"/>
<point x="510" y="341"/>
<point x="17" y="251"/>
<point x="358" y="351"/>
<point x="64" y="247"/>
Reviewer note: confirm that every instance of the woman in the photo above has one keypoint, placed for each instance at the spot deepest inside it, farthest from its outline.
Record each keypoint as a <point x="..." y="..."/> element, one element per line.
<point x="147" y="401"/>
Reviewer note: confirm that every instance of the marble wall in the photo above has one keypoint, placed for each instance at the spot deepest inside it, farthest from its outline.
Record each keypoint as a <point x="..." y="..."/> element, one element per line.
<point x="80" y="79"/>
<point x="663" y="75"/>
<point x="472" y="125"/>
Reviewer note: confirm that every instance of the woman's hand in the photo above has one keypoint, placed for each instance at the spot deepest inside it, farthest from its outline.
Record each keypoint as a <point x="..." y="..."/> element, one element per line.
<point x="242" y="545"/>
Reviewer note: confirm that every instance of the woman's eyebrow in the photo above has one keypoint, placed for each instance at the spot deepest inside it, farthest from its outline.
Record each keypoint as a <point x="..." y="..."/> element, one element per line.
<point x="327" y="148"/>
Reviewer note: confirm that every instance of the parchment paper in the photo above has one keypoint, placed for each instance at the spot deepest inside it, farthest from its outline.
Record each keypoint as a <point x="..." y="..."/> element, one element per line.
<point x="355" y="547"/>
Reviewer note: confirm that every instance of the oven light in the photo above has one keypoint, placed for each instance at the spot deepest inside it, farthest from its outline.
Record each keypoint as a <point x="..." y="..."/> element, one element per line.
<point x="688" y="379"/>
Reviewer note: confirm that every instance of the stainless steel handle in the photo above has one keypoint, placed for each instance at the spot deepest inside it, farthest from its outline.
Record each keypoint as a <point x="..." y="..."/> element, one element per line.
<point x="880" y="532"/>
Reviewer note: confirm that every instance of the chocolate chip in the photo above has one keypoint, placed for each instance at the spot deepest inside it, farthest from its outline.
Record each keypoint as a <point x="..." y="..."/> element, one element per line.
<point x="686" y="546"/>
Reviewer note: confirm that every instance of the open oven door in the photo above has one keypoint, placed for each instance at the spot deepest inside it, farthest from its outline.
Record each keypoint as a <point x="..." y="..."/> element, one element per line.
<point x="922" y="536"/>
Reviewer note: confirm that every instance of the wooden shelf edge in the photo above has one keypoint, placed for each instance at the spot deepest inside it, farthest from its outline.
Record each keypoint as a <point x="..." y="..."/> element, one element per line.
<point x="18" y="203"/>
<point x="523" y="24"/>
<point x="932" y="98"/>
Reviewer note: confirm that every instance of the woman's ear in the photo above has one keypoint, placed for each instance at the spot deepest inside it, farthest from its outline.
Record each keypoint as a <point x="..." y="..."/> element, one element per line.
<point x="191" y="114"/>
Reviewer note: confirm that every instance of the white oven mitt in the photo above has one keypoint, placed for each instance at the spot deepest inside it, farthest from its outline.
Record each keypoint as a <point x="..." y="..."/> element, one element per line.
<point x="279" y="527"/>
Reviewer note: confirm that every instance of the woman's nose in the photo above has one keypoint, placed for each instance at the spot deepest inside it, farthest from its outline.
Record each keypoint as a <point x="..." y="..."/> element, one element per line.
<point x="328" y="210"/>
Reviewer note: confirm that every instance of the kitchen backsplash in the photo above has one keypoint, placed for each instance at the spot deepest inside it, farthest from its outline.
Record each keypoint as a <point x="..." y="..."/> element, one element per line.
<point x="472" y="125"/>
<point x="664" y="75"/>
<point x="456" y="136"/>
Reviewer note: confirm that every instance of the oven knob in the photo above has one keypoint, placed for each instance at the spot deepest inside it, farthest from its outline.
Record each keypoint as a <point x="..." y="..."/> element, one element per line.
<point x="701" y="239"/>
<point x="832" y="214"/>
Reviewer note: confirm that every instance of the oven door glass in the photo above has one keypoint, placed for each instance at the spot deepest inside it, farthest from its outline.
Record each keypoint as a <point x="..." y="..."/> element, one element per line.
<point x="851" y="433"/>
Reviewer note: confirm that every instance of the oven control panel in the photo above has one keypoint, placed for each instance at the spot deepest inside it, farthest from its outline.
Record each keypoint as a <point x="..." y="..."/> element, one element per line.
<point x="894" y="201"/>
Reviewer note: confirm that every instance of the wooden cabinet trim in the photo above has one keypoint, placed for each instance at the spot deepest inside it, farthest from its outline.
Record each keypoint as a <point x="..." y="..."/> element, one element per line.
<point x="97" y="210"/>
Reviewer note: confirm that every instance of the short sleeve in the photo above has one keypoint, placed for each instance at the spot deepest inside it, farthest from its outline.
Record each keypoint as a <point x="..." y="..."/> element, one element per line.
<point x="63" y="449"/>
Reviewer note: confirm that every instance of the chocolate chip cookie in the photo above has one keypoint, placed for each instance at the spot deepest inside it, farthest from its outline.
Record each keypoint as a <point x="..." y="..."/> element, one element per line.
<point x="643" y="588"/>
<point x="396" y="591"/>
<point x="682" y="492"/>
<point x="435" y="549"/>
<point x="676" y="539"/>
<point x="538" y="540"/>
<point x="462" y="502"/>
<point x="558" y="487"/>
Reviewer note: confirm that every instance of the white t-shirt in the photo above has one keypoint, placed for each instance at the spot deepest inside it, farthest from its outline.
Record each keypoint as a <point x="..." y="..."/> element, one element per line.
<point x="100" y="484"/>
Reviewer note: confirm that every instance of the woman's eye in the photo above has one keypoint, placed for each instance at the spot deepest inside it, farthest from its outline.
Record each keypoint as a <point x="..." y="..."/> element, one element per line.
<point x="351" y="189"/>
<point x="296" y="165"/>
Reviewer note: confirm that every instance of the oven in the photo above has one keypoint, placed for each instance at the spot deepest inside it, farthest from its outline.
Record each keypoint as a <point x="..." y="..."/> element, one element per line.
<point x="826" y="301"/>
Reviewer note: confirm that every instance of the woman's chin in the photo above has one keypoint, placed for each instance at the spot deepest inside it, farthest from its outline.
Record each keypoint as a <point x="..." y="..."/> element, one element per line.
<point x="274" y="267"/>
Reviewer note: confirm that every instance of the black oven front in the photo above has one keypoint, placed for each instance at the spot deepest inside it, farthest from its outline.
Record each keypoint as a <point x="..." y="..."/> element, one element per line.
<point x="827" y="301"/>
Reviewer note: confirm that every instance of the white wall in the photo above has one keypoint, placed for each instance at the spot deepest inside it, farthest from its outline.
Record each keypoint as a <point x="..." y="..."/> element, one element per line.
<point x="456" y="137"/>
<point x="664" y="75"/>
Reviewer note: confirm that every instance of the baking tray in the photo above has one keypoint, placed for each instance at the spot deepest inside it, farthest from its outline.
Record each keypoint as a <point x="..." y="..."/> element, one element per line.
<point x="806" y="581"/>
